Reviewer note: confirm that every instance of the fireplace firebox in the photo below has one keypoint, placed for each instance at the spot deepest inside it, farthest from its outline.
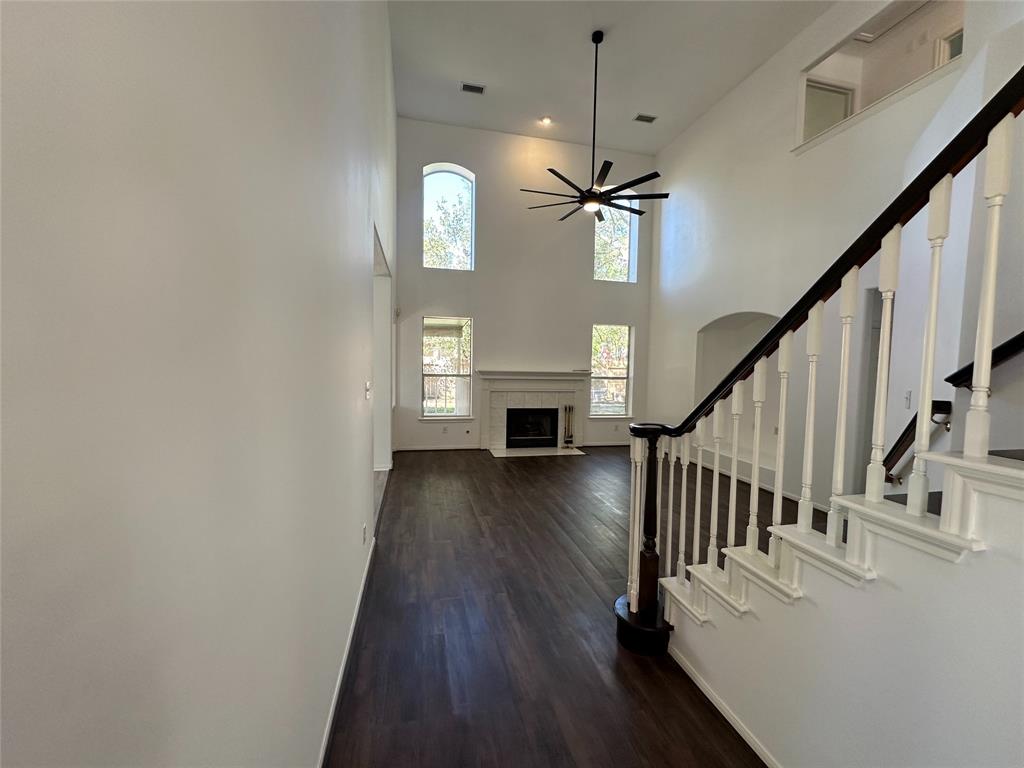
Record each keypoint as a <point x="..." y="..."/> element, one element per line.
<point x="531" y="428"/>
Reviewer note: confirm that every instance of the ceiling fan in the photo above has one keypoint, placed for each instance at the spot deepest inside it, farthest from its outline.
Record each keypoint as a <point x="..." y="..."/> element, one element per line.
<point x="595" y="196"/>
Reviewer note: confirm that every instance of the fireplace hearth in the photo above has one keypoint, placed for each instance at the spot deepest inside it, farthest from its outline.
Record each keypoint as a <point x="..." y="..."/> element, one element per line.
<point x="531" y="428"/>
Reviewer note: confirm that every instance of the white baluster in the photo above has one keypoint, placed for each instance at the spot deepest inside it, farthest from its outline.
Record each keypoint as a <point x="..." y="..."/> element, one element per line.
<point x="736" y="411"/>
<point x="698" y="444"/>
<point x="997" y="185"/>
<point x="805" y="508"/>
<point x="888" y="277"/>
<point x="782" y="360"/>
<point x="673" y="453"/>
<point x="847" y="309"/>
<point x="759" y="382"/>
<point x="685" y="461"/>
<point x="716" y="436"/>
<point x="938" y="231"/>
<point x="661" y="451"/>
<point x="638" y="457"/>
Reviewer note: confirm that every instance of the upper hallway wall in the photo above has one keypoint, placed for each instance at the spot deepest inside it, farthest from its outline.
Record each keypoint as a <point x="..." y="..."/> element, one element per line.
<point x="751" y="223"/>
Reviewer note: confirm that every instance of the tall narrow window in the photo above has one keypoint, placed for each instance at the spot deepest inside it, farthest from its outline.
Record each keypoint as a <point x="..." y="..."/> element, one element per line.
<point x="611" y="370"/>
<point x="615" y="241"/>
<point x="447" y="366"/>
<point x="449" y="212"/>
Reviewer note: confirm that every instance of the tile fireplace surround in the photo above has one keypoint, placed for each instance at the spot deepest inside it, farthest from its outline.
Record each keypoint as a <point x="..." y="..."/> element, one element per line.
<point x="502" y="390"/>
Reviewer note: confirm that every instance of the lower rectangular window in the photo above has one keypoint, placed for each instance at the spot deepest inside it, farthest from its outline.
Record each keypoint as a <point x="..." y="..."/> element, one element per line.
<point x="447" y="366"/>
<point x="611" y="370"/>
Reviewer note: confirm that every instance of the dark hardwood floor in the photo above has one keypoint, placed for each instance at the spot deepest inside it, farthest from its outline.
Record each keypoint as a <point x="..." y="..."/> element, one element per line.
<point x="487" y="636"/>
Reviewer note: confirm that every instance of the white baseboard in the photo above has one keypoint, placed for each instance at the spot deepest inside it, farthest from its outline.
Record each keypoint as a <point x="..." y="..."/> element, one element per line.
<point x="386" y="468"/>
<point x="732" y="717"/>
<point x="344" y="656"/>
<point x="606" y="445"/>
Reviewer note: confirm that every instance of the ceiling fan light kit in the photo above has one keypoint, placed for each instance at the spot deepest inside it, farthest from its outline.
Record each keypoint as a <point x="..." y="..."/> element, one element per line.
<point x="596" y="196"/>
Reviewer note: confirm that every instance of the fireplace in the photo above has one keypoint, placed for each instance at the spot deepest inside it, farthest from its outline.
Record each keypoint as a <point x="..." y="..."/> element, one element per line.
<point x="531" y="428"/>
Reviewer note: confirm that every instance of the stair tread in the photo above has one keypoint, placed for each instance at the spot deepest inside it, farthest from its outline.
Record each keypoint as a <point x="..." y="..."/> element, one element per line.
<point x="762" y="571"/>
<point x="934" y="501"/>
<point x="814" y="544"/>
<point x="896" y="517"/>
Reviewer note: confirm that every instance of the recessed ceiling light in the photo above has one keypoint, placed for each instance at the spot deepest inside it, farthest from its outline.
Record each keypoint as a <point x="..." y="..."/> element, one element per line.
<point x="546" y="120"/>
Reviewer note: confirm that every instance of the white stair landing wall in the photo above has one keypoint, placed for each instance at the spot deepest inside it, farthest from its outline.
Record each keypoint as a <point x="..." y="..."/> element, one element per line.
<point x="922" y="666"/>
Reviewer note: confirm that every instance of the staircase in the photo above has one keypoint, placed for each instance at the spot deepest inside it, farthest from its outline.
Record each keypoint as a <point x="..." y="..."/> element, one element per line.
<point x="865" y="643"/>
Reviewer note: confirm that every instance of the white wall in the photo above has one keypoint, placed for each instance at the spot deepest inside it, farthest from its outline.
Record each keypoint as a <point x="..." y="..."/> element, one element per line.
<point x="751" y="223"/>
<point x="189" y="194"/>
<point x="920" y="668"/>
<point x="721" y="344"/>
<point x="907" y="51"/>
<point x="532" y="295"/>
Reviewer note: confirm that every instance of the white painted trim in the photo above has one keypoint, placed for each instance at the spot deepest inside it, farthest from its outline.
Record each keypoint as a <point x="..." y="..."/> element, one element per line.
<point x="440" y="448"/>
<point x="625" y="442"/>
<point x="387" y="468"/>
<point x="448" y="419"/>
<point x="732" y="717"/>
<point x="344" y="656"/>
<point x="557" y="375"/>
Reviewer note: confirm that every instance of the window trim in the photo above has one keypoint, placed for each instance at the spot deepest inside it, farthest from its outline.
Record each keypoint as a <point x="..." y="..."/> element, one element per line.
<point x="630" y="368"/>
<point x="429" y="170"/>
<point x="835" y="86"/>
<point x="942" y="46"/>
<point x="424" y="416"/>
<point x="634" y="246"/>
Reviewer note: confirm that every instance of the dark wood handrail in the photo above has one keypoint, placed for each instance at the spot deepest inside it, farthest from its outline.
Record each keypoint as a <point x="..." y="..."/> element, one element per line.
<point x="1012" y="347"/>
<point x="906" y="439"/>
<point x="953" y="158"/>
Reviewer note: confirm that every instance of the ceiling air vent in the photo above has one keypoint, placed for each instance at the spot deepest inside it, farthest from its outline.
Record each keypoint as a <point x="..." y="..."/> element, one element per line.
<point x="642" y="118"/>
<point x="473" y="88"/>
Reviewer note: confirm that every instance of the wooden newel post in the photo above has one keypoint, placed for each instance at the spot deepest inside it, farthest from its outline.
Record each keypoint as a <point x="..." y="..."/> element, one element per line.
<point x="645" y="631"/>
<point x="647" y="600"/>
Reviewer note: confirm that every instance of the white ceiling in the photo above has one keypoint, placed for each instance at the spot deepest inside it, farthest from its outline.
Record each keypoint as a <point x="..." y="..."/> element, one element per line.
<point x="670" y="59"/>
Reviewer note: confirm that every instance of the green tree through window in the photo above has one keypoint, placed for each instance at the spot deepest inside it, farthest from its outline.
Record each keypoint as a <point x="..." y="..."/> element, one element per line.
<point x="447" y="218"/>
<point x="447" y="366"/>
<point x="610" y="370"/>
<point x="614" y="252"/>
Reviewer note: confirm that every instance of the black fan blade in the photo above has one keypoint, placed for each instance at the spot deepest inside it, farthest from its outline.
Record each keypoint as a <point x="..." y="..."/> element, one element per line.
<point x="633" y="183"/>
<point x="602" y="175"/>
<point x="557" y="175"/>
<point x="551" y="205"/>
<point x="598" y="215"/>
<point x="542" y="192"/>
<point x="570" y="213"/>
<point x="651" y="196"/>
<point x="634" y="211"/>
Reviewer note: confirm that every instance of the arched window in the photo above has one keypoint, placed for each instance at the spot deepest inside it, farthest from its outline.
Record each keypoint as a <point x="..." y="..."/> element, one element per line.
<point x="449" y="216"/>
<point x="615" y="241"/>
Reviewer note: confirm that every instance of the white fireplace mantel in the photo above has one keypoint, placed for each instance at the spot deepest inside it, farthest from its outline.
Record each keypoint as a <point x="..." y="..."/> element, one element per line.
<point x="541" y="375"/>
<point x="530" y="389"/>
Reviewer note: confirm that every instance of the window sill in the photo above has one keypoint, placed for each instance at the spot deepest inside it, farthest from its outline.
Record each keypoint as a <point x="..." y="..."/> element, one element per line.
<point x="603" y="416"/>
<point x="886" y="101"/>
<point x="447" y="418"/>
